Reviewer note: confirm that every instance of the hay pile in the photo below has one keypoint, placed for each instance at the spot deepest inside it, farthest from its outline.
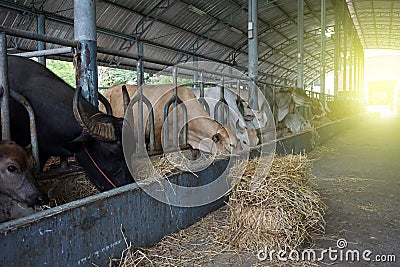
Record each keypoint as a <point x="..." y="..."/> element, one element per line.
<point x="68" y="188"/>
<point x="170" y="164"/>
<point x="278" y="209"/>
<point x="64" y="186"/>
<point x="282" y="212"/>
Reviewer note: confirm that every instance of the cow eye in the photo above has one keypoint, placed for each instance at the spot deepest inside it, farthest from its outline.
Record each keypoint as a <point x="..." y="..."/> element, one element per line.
<point x="231" y="145"/>
<point x="245" y="142"/>
<point x="12" y="168"/>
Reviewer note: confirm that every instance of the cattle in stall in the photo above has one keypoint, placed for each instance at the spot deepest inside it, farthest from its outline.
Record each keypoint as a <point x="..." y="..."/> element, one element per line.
<point x="318" y="110"/>
<point x="287" y="102"/>
<point x="19" y="193"/>
<point x="248" y="137"/>
<point x="260" y="120"/>
<point x="204" y="133"/>
<point x="66" y="127"/>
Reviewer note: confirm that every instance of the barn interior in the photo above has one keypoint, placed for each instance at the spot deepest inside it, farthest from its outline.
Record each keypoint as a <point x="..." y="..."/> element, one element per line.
<point x="343" y="52"/>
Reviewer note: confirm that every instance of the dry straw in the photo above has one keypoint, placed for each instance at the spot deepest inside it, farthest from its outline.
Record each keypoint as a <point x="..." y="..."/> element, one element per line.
<point x="278" y="209"/>
<point x="281" y="213"/>
<point x="73" y="187"/>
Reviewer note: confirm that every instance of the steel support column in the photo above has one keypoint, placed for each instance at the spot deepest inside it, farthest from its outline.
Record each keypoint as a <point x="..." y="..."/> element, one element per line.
<point x="323" y="39"/>
<point x="337" y="36"/>
<point x="355" y="68"/>
<point x="253" y="52"/>
<point x="195" y="72"/>
<point x="140" y="80"/>
<point x="41" y="30"/>
<point x="362" y="73"/>
<point x="5" y="108"/>
<point x="85" y="33"/>
<point x="300" y="43"/>
<point x="351" y="63"/>
<point x="344" y="55"/>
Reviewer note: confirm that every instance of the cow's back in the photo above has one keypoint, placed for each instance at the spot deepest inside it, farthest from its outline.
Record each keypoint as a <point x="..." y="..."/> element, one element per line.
<point x="51" y="100"/>
<point x="115" y="98"/>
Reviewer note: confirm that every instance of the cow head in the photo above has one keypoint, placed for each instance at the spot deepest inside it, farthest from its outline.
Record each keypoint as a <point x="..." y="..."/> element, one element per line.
<point x="248" y="137"/>
<point x="300" y="97"/>
<point x="225" y="140"/>
<point x="16" y="175"/>
<point x="99" y="147"/>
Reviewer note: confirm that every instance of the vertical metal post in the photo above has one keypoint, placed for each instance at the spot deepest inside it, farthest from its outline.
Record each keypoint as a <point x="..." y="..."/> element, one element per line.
<point x="337" y="42"/>
<point x="41" y="45"/>
<point x="195" y="72"/>
<point x="140" y="76"/>
<point x="201" y="84"/>
<point x="221" y="109"/>
<point x="85" y="33"/>
<point x="32" y="127"/>
<point x="5" y="105"/>
<point x="253" y="53"/>
<point x="300" y="43"/>
<point x="175" y="109"/>
<point x="345" y="54"/>
<point x="201" y="98"/>
<point x="351" y="63"/>
<point x="323" y="39"/>
<point x="362" y="71"/>
<point x="355" y="70"/>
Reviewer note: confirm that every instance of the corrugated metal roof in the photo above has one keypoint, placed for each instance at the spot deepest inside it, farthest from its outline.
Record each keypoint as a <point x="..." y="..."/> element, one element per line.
<point x="175" y="30"/>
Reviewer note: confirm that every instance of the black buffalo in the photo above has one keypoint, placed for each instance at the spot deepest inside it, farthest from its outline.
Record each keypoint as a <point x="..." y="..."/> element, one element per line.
<point x="67" y="125"/>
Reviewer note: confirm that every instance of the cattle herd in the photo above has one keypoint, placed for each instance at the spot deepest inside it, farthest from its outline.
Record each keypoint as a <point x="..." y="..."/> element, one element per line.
<point x="68" y="125"/>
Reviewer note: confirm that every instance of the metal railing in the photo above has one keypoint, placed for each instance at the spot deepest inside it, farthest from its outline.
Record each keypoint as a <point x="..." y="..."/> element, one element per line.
<point x="175" y="100"/>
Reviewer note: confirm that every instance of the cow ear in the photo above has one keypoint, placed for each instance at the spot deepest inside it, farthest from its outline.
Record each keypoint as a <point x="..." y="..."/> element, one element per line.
<point x="77" y="144"/>
<point x="28" y="148"/>
<point x="217" y="138"/>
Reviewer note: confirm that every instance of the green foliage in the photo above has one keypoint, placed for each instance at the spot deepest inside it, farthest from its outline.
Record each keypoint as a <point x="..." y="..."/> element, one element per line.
<point x="111" y="76"/>
<point x="163" y="79"/>
<point x="107" y="76"/>
<point x="64" y="70"/>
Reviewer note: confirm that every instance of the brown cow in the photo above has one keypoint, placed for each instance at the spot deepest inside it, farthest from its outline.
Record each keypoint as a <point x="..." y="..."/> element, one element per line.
<point x="204" y="133"/>
<point x="18" y="189"/>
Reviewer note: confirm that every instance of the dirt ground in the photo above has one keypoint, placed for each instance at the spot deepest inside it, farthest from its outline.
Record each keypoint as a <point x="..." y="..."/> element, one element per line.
<point x="358" y="175"/>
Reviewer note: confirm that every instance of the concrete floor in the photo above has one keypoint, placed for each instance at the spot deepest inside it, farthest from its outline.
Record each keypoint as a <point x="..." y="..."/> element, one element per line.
<point x="358" y="174"/>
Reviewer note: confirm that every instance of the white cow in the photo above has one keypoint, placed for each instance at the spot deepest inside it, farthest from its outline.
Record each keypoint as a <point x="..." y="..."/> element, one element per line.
<point x="247" y="136"/>
<point x="287" y="101"/>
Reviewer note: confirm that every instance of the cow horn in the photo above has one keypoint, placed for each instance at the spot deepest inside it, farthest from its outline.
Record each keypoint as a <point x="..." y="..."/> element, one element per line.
<point x="240" y="128"/>
<point x="125" y="97"/>
<point x="105" y="103"/>
<point x="99" y="130"/>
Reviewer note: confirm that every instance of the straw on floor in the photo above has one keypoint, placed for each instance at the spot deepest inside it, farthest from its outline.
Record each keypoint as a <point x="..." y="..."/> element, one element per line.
<point x="279" y="209"/>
